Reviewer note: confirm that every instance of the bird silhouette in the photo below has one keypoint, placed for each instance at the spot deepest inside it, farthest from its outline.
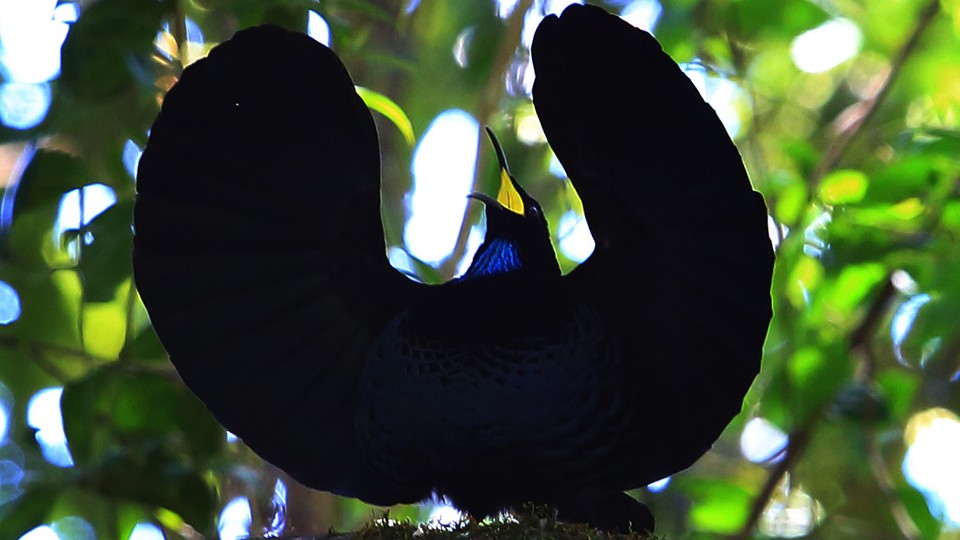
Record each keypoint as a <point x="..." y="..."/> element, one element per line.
<point x="259" y="254"/>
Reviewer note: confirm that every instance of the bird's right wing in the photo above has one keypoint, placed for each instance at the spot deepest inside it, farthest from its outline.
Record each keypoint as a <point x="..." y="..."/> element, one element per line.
<point x="259" y="250"/>
<point x="682" y="268"/>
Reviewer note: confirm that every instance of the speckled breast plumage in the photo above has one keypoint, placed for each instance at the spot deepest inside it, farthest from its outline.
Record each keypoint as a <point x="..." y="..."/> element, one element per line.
<point x="479" y="408"/>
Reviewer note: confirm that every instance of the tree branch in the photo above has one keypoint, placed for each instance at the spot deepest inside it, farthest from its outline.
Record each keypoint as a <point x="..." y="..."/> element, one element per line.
<point x="870" y="106"/>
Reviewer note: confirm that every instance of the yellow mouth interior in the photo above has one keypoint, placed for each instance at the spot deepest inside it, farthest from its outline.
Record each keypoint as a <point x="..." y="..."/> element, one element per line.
<point x="508" y="196"/>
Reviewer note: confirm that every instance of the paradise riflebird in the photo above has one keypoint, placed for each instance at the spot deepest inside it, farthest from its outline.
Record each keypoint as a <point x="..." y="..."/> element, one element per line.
<point x="259" y="253"/>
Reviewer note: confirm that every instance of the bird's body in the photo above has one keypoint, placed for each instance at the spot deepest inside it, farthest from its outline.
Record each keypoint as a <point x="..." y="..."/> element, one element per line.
<point x="264" y="272"/>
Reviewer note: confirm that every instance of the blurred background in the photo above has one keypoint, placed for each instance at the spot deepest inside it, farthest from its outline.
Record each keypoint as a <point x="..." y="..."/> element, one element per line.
<point x="847" y="113"/>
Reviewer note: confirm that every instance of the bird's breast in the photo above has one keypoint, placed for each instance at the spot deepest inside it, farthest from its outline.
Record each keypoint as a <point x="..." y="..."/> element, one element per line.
<point x="483" y="405"/>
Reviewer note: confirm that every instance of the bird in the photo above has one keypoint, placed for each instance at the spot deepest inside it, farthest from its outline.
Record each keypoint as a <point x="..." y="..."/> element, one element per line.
<point x="259" y="254"/>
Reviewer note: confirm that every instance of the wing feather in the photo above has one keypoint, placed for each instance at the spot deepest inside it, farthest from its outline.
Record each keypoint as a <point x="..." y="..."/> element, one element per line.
<point x="682" y="268"/>
<point x="259" y="250"/>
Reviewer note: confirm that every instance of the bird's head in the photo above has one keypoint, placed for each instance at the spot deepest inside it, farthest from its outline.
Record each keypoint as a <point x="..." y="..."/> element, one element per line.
<point x="517" y="238"/>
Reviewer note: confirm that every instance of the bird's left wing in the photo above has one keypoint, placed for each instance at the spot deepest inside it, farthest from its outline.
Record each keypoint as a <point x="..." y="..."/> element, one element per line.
<point x="681" y="273"/>
<point x="259" y="250"/>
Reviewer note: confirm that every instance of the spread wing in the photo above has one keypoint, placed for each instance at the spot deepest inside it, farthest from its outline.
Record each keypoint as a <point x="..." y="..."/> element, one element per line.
<point x="259" y="250"/>
<point x="683" y="263"/>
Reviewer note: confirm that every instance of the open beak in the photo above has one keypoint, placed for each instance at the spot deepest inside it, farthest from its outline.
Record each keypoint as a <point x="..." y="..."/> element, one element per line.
<point x="509" y="195"/>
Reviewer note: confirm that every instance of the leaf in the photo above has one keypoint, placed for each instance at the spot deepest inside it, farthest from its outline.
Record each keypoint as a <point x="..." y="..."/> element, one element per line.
<point x="805" y="277"/>
<point x="816" y="373"/>
<point x="46" y="178"/>
<point x="145" y="346"/>
<point x="385" y="106"/>
<point x="788" y="18"/>
<point x="791" y="203"/>
<point x="36" y="200"/>
<point x="847" y="292"/>
<point x="112" y="405"/>
<point x="115" y="407"/>
<point x="157" y="479"/>
<point x="719" y="506"/>
<point x="900" y="387"/>
<point x="909" y="177"/>
<point x="49" y="306"/>
<point x="843" y="187"/>
<point x="106" y="264"/>
<point x="106" y="48"/>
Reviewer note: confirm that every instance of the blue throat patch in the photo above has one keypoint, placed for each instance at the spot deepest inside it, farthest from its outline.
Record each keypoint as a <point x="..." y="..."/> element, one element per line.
<point x="499" y="257"/>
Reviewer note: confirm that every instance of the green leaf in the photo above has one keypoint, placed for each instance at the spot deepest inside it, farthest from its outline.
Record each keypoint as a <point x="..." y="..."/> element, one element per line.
<point x="805" y="277"/>
<point x="909" y="177"/>
<point x="789" y="17"/>
<point x="719" y="506"/>
<point x="50" y="306"/>
<point x="106" y="261"/>
<point x="157" y="479"/>
<point x="791" y="202"/>
<point x="385" y="106"/>
<point x="116" y="408"/>
<point x="108" y="47"/>
<point x="47" y="177"/>
<point x="145" y="346"/>
<point x="848" y="290"/>
<point x="900" y="387"/>
<point x="816" y="374"/>
<point x="843" y="187"/>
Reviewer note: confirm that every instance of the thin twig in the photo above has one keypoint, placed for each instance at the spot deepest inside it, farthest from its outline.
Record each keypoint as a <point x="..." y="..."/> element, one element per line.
<point x="861" y="338"/>
<point x="870" y="106"/>
<point x="799" y="440"/>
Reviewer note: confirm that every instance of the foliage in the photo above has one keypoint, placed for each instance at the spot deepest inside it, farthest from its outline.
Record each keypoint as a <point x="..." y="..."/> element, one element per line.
<point x="531" y="521"/>
<point x="859" y="164"/>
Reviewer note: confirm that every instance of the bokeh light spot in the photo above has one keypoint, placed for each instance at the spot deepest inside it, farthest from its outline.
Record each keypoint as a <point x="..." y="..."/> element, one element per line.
<point x="278" y="521"/>
<point x="43" y="415"/>
<point x="318" y="28"/>
<point x="762" y="441"/>
<point x="791" y="513"/>
<point x="461" y="47"/>
<point x="505" y="8"/>
<point x="67" y="12"/>
<point x="474" y="239"/>
<point x="74" y="528"/>
<point x="43" y="532"/>
<point x="146" y="531"/>
<point x="24" y="105"/>
<point x="725" y="96"/>
<point x="97" y="198"/>
<point x="6" y="406"/>
<point x="131" y="157"/>
<point x="527" y="125"/>
<point x="643" y="14"/>
<point x="235" y="520"/>
<point x="9" y="305"/>
<point x="826" y="46"/>
<point x="31" y="40"/>
<point x="443" y="169"/>
<point x="903" y="321"/>
<point x="444" y="514"/>
<point x="659" y="485"/>
<point x="576" y="242"/>
<point x="930" y="464"/>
